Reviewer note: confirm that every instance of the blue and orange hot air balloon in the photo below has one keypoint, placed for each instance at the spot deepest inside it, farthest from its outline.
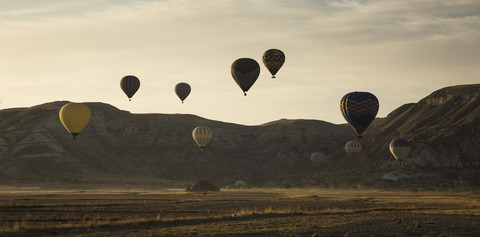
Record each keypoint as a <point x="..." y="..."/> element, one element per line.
<point x="359" y="109"/>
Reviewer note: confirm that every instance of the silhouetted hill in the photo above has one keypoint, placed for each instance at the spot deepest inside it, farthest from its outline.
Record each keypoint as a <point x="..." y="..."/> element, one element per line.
<point x="119" y="147"/>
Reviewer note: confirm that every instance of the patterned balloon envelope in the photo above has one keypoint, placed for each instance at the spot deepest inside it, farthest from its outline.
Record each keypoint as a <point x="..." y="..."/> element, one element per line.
<point x="359" y="109"/>
<point x="353" y="149"/>
<point x="202" y="135"/>
<point x="273" y="59"/>
<point x="399" y="148"/>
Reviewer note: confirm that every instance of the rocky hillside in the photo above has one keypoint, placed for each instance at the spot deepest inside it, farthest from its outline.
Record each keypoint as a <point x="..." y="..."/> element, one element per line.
<point x="444" y="132"/>
<point x="118" y="146"/>
<point x="443" y="128"/>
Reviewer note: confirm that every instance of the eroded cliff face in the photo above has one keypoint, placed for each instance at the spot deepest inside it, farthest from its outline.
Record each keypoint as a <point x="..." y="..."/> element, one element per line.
<point x="444" y="130"/>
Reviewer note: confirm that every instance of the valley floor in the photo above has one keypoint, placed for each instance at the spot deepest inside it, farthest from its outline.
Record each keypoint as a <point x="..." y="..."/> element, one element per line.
<point x="253" y="212"/>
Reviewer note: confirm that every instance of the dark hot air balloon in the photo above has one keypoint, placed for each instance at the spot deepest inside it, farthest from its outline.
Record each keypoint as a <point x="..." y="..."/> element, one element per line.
<point x="182" y="90"/>
<point x="273" y="59"/>
<point x="245" y="72"/>
<point x="359" y="109"/>
<point x="130" y="85"/>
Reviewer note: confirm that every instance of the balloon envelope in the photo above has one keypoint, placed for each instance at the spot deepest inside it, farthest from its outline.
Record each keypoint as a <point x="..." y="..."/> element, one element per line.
<point x="273" y="60"/>
<point x="182" y="90"/>
<point x="359" y="109"/>
<point x="241" y="184"/>
<point x="318" y="158"/>
<point x="399" y="148"/>
<point x="202" y="135"/>
<point x="74" y="117"/>
<point x="353" y="149"/>
<point x="130" y="85"/>
<point x="245" y="72"/>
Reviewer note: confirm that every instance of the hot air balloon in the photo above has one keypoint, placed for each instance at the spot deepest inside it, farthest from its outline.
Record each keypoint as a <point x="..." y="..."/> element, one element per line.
<point x="202" y="136"/>
<point x="359" y="109"/>
<point x="273" y="60"/>
<point x="182" y="90"/>
<point x="241" y="184"/>
<point x="318" y="158"/>
<point x="74" y="117"/>
<point x="399" y="148"/>
<point x="245" y="72"/>
<point x="130" y="85"/>
<point x="353" y="149"/>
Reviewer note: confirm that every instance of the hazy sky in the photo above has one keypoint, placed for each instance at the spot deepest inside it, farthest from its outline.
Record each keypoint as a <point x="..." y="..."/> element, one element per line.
<point x="401" y="51"/>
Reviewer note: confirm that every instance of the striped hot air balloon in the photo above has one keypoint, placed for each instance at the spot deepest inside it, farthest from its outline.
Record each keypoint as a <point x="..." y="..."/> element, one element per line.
<point x="130" y="85"/>
<point x="273" y="60"/>
<point x="399" y="148"/>
<point x="359" y="109"/>
<point x="202" y="135"/>
<point x="353" y="149"/>
<point x="74" y="117"/>
<point x="245" y="72"/>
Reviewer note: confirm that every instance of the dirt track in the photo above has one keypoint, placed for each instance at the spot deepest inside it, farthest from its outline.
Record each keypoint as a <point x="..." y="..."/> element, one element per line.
<point x="270" y="212"/>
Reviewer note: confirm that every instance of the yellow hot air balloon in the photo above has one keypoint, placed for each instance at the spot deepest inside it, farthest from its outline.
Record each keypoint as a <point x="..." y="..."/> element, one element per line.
<point x="75" y="117"/>
<point x="202" y="136"/>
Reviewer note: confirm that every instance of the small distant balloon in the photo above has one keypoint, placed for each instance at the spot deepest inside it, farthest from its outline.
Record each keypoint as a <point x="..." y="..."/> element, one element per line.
<point x="241" y="184"/>
<point x="130" y="85"/>
<point x="74" y="117"/>
<point x="202" y="135"/>
<point x="399" y="148"/>
<point x="273" y="60"/>
<point x="318" y="158"/>
<point x="245" y="72"/>
<point x="182" y="90"/>
<point x="353" y="149"/>
<point x="359" y="109"/>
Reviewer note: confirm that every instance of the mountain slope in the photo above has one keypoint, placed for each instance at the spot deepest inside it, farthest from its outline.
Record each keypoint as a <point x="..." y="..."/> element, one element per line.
<point x="443" y="128"/>
<point x="120" y="147"/>
<point x="35" y="145"/>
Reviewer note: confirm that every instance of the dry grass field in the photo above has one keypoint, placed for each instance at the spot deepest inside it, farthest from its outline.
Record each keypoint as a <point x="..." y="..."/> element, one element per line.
<point x="254" y="212"/>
